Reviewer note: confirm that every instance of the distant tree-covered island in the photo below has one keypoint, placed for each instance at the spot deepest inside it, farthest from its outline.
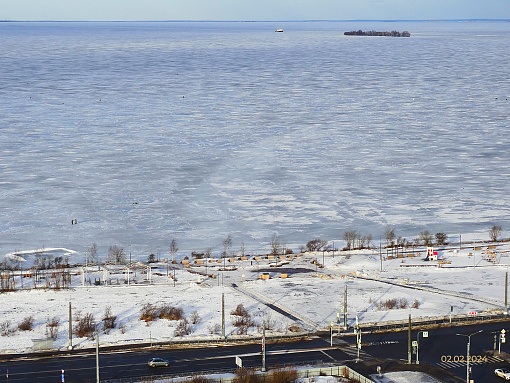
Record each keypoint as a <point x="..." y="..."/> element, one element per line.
<point x="375" y="33"/>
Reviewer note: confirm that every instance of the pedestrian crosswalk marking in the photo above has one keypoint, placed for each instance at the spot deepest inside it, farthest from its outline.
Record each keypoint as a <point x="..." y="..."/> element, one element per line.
<point x="352" y="351"/>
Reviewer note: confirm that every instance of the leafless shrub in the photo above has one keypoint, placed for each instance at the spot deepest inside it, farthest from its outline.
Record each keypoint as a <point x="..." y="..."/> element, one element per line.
<point x="214" y="329"/>
<point x="27" y="324"/>
<point x="244" y="375"/>
<point x="283" y="375"/>
<point x="240" y="311"/>
<point x="183" y="328"/>
<point x="199" y="379"/>
<point x="148" y="313"/>
<point x="393" y="303"/>
<point x="268" y="323"/>
<point x="85" y="327"/>
<point x="241" y="319"/>
<point x="170" y="312"/>
<point x="6" y="328"/>
<point x="52" y="327"/>
<point x="108" y="320"/>
<point x="416" y="304"/>
<point x="195" y="317"/>
<point x="122" y="328"/>
<point x="242" y="324"/>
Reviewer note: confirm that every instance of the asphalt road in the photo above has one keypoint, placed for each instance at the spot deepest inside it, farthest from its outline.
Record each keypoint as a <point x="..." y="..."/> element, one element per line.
<point x="443" y="348"/>
<point x="446" y="348"/>
<point x="197" y="361"/>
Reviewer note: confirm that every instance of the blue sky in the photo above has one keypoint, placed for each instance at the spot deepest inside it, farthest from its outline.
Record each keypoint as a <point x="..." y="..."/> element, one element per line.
<point x="252" y="9"/>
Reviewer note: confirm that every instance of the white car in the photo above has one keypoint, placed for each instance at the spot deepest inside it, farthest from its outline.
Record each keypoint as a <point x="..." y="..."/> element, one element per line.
<point x="502" y="373"/>
<point x="158" y="362"/>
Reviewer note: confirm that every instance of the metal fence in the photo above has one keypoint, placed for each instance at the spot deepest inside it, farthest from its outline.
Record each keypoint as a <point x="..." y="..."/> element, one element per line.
<point x="434" y="321"/>
<point x="229" y="376"/>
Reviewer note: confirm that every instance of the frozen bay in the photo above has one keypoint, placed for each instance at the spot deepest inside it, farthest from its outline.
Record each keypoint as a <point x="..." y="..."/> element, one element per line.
<point x="144" y="132"/>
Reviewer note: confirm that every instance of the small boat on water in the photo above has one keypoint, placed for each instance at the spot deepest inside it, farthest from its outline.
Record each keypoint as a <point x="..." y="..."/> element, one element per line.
<point x="279" y="30"/>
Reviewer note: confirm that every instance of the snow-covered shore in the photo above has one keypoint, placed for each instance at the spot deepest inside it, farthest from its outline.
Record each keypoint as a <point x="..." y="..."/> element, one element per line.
<point x="470" y="280"/>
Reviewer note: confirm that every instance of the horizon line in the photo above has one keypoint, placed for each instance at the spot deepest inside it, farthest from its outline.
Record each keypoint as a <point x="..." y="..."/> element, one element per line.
<point x="256" y="21"/>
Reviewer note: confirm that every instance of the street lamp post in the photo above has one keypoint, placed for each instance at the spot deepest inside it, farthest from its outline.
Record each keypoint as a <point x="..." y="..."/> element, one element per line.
<point x="468" y="350"/>
<point x="425" y="334"/>
<point x="357" y="331"/>
<point x="264" y="346"/>
<point x="97" y="357"/>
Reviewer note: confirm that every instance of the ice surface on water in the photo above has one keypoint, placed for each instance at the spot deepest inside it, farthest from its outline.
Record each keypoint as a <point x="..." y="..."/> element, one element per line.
<point x="151" y="131"/>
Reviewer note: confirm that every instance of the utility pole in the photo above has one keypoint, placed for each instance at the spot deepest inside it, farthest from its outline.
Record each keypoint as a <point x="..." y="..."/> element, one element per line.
<point x="70" y="346"/>
<point x="345" y="307"/>
<point x="264" y="346"/>
<point x="409" y="344"/>
<point x="97" y="357"/>
<point x="468" y="369"/>
<point x="380" y="253"/>
<point x="506" y="293"/>
<point x="357" y="331"/>
<point x="223" y="315"/>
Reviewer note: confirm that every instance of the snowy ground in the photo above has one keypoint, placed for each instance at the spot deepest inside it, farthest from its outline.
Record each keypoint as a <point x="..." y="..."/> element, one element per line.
<point x="467" y="280"/>
<point x="404" y="377"/>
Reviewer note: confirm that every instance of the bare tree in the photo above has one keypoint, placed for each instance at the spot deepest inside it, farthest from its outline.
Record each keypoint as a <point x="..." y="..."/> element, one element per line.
<point x="495" y="232"/>
<point x="173" y="249"/>
<point x="91" y="255"/>
<point x="389" y="235"/>
<point x="276" y="244"/>
<point x="369" y="240"/>
<point x="116" y="255"/>
<point x="426" y="238"/>
<point x="441" y="238"/>
<point x="227" y="245"/>
<point x="350" y="238"/>
<point x="363" y="241"/>
<point x="315" y="244"/>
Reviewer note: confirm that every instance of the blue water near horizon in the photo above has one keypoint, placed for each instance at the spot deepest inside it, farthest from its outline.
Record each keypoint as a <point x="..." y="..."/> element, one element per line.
<point x="145" y="132"/>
